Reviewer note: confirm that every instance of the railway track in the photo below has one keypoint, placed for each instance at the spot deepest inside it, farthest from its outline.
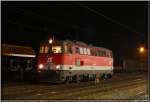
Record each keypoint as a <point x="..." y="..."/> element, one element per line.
<point x="141" y="94"/>
<point x="53" y="86"/>
<point x="79" y="92"/>
<point x="82" y="93"/>
<point x="73" y="90"/>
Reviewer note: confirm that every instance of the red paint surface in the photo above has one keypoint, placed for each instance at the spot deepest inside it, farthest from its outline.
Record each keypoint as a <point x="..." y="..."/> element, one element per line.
<point x="70" y="59"/>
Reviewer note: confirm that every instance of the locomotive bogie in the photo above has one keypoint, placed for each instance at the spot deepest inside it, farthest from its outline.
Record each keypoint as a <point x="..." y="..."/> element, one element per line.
<point x="76" y="73"/>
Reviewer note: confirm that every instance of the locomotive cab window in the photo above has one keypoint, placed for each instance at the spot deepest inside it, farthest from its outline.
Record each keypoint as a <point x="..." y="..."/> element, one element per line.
<point x="46" y="49"/>
<point x="42" y="49"/>
<point x="56" y="49"/>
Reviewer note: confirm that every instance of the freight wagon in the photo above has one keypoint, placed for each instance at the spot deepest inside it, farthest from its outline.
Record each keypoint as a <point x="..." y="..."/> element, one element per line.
<point x="130" y="65"/>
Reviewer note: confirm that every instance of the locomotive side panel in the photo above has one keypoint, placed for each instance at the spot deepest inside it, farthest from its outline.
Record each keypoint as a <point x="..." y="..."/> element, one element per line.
<point x="83" y="64"/>
<point x="88" y="65"/>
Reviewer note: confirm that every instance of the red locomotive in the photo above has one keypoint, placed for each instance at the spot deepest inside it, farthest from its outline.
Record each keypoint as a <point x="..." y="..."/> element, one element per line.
<point x="73" y="61"/>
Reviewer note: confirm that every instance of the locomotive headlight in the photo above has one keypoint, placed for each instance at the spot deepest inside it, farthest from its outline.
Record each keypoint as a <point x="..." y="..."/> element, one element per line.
<point x="50" y="41"/>
<point x="57" y="67"/>
<point x="41" y="66"/>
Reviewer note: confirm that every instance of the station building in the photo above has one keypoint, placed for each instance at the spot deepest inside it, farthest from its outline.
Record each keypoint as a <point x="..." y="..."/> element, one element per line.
<point x="16" y="61"/>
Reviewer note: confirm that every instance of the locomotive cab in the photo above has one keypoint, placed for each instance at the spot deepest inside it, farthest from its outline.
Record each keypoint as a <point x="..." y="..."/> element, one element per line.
<point x="51" y="59"/>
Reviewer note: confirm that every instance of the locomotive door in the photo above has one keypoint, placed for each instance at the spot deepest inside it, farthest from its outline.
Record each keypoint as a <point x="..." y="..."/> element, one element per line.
<point x="77" y="59"/>
<point x="70" y="52"/>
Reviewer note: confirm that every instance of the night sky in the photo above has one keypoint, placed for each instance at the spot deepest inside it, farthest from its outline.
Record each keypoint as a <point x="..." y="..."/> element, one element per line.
<point x="119" y="26"/>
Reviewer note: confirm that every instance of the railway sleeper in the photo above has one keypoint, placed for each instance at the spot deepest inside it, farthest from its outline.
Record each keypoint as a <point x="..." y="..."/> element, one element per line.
<point x="87" y="77"/>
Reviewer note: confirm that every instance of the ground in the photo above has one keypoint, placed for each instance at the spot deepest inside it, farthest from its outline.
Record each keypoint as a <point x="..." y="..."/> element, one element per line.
<point x="121" y="86"/>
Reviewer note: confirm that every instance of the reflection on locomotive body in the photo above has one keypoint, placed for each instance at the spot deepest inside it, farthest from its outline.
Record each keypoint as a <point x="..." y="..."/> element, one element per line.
<point x="73" y="61"/>
<point x="17" y="61"/>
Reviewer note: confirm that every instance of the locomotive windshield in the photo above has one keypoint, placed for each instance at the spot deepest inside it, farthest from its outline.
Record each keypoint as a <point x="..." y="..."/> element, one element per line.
<point x="49" y="49"/>
<point x="56" y="49"/>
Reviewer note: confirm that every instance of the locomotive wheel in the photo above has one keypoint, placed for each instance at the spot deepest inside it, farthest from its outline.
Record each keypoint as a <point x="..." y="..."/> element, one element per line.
<point x="104" y="76"/>
<point x="67" y="80"/>
<point x="91" y="77"/>
<point x="77" y="79"/>
<point x="109" y="75"/>
<point x="81" y="77"/>
<point x="97" y="80"/>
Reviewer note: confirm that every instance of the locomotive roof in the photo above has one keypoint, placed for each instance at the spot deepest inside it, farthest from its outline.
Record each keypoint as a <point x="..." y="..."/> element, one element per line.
<point x="18" y="51"/>
<point x="79" y="43"/>
<point x="89" y="45"/>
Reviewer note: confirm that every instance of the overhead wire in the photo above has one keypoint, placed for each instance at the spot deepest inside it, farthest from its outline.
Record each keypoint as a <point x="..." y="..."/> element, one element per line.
<point x="37" y="16"/>
<point x="42" y="17"/>
<point x="106" y="17"/>
<point x="25" y="26"/>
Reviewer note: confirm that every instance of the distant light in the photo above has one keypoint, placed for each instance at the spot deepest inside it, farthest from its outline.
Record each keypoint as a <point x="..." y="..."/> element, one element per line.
<point x="50" y="41"/>
<point x="21" y="55"/>
<point x="142" y="49"/>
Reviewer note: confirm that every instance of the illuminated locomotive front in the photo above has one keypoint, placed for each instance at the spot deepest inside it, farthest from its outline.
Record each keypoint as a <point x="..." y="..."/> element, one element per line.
<point x="73" y="61"/>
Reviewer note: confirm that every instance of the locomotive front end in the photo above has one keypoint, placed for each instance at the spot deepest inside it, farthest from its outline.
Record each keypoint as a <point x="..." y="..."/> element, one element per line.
<point x="50" y="61"/>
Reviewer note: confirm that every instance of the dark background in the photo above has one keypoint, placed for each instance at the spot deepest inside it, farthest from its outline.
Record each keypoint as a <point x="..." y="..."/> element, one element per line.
<point x="119" y="26"/>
